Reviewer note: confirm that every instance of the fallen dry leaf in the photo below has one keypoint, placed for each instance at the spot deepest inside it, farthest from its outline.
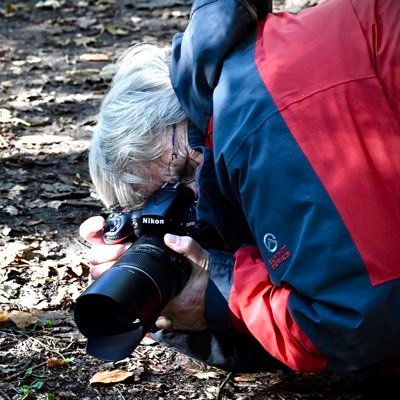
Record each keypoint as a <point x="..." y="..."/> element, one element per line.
<point x="19" y="318"/>
<point x="54" y="362"/>
<point x="110" y="376"/>
<point x="7" y="117"/>
<point x="42" y="139"/>
<point x="85" y="22"/>
<point x="108" y="71"/>
<point x="54" y="4"/>
<point x="116" y="31"/>
<point x="207" y="375"/>
<point x="245" y="378"/>
<point x="93" y="57"/>
<point x="4" y="230"/>
<point x="84" y="40"/>
<point x="11" y="252"/>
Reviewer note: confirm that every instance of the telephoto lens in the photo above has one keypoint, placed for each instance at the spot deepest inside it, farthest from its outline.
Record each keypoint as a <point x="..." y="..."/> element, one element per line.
<point x="122" y="305"/>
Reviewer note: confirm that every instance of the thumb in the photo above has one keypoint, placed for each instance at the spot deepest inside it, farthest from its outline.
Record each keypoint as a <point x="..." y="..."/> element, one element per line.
<point x="92" y="230"/>
<point x="188" y="247"/>
<point x="180" y="244"/>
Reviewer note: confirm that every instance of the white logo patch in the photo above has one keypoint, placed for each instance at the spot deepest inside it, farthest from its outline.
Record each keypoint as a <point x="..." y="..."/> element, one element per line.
<point x="270" y="242"/>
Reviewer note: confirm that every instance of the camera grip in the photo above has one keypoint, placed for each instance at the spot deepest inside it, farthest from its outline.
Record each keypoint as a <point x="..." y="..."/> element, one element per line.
<point x="120" y="227"/>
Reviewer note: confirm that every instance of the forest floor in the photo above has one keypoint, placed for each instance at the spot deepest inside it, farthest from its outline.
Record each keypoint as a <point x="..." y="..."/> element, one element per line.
<point x="56" y="59"/>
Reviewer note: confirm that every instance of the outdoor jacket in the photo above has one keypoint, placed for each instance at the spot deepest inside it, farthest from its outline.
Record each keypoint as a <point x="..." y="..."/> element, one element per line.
<point x="298" y="117"/>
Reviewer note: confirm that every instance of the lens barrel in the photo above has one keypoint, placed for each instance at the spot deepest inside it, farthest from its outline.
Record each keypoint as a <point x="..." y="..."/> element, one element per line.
<point x="117" y="310"/>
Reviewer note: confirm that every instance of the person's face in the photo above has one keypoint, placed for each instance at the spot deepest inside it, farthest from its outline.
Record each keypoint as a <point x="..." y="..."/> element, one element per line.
<point x="178" y="162"/>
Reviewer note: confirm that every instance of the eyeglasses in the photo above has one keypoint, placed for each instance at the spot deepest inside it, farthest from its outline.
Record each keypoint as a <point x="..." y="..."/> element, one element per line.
<point x="181" y="168"/>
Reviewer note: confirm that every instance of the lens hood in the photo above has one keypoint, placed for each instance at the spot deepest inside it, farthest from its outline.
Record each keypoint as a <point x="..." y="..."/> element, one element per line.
<point x="112" y="319"/>
<point x="115" y="347"/>
<point x="117" y="310"/>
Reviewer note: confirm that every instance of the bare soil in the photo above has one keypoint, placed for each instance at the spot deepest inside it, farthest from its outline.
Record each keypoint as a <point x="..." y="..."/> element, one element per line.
<point x="55" y="65"/>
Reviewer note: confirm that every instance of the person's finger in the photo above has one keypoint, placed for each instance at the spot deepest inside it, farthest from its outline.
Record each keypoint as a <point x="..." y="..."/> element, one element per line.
<point x="188" y="247"/>
<point x="164" y="323"/>
<point x="91" y="230"/>
<point x="100" y="254"/>
<point x="97" y="270"/>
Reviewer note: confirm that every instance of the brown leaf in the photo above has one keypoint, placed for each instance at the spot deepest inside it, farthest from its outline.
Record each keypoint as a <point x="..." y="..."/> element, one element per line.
<point x="11" y="210"/>
<point x="54" y="4"/>
<point x="94" y="57"/>
<point x="84" y="40"/>
<point x="4" y="230"/>
<point x="54" y="362"/>
<point x="42" y="139"/>
<point x="11" y="252"/>
<point x="19" y="318"/>
<point x="245" y="378"/>
<point x="7" y="117"/>
<point x="15" y="192"/>
<point x="110" y="376"/>
<point x="85" y="22"/>
<point x="116" y="31"/>
<point x="207" y="375"/>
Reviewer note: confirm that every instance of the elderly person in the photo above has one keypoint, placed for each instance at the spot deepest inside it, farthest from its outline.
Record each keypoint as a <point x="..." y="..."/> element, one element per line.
<point x="295" y="123"/>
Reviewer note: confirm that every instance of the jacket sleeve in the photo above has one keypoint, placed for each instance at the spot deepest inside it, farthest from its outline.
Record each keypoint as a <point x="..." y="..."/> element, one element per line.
<point x="241" y="296"/>
<point x="215" y="27"/>
<point x="380" y="25"/>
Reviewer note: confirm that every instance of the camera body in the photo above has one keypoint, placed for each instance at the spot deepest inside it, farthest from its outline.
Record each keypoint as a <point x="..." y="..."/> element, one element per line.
<point x="171" y="209"/>
<point x="122" y="305"/>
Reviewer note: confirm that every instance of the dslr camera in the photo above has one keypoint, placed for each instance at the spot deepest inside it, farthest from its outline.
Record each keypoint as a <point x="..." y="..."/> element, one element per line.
<point x="116" y="311"/>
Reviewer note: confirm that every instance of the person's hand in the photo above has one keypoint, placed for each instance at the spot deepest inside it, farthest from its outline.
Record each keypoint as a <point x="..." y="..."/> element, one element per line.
<point x="186" y="310"/>
<point x="101" y="256"/>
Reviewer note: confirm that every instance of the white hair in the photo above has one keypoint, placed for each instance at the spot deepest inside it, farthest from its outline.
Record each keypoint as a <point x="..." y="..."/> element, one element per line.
<point x="131" y="127"/>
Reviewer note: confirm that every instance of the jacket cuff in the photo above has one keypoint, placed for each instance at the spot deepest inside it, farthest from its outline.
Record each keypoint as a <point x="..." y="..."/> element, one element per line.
<point x="217" y="312"/>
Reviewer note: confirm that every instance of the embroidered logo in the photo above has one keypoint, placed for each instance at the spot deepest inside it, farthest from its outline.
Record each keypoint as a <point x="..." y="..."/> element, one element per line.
<point x="279" y="257"/>
<point x="270" y="242"/>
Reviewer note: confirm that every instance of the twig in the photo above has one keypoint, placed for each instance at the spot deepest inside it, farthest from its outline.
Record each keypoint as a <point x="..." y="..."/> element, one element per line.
<point x="221" y="386"/>
<point x="120" y="394"/>
<point x="5" y="397"/>
<point x="48" y="348"/>
<point x="22" y="371"/>
<point x="11" y="377"/>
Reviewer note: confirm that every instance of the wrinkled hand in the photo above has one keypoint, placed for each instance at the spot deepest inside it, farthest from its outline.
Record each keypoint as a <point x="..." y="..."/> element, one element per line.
<point x="101" y="256"/>
<point x="186" y="310"/>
